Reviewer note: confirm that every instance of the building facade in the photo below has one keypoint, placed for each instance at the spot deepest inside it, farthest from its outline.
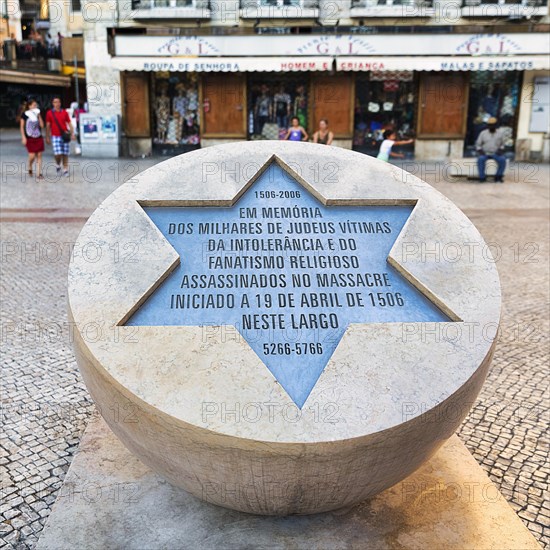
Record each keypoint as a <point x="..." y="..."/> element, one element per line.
<point x="41" y="54"/>
<point x="189" y="73"/>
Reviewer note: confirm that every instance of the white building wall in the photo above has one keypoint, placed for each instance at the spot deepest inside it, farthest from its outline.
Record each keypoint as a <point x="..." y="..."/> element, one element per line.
<point x="225" y="12"/>
<point x="332" y="12"/>
<point x="11" y="25"/>
<point x="63" y="19"/>
<point x="102" y="80"/>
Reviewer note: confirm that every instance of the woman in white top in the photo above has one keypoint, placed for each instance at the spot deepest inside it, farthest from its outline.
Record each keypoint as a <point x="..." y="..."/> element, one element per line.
<point x="31" y="126"/>
<point x="386" y="148"/>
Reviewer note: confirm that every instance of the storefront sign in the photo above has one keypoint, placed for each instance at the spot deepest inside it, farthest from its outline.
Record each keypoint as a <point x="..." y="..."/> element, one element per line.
<point x="225" y="64"/>
<point x="489" y="44"/>
<point x="195" y="46"/>
<point x="173" y="65"/>
<point x="458" y="63"/>
<point x="297" y="64"/>
<point x="498" y="64"/>
<point x="331" y="45"/>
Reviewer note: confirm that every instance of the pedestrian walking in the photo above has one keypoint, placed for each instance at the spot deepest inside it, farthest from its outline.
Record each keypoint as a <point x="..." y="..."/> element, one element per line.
<point x="490" y="145"/>
<point x="386" y="147"/>
<point x="31" y="125"/>
<point x="59" y="132"/>
<point x="296" y="132"/>
<point x="77" y="109"/>
<point x="323" y="135"/>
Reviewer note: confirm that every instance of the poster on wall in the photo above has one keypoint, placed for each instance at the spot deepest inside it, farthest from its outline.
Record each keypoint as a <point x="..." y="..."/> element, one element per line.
<point x="540" y="105"/>
<point x="90" y="126"/>
<point x="109" y="128"/>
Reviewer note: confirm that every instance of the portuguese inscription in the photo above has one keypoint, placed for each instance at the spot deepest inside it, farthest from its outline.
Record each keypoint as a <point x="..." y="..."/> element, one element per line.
<point x="289" y="273"/>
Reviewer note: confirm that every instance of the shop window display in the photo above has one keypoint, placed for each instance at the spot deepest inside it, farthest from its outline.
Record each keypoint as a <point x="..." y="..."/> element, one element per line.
<point x="492" y="94"/>
<point x="176" y="109"/>
<point x="384" y="101"/>
<point x="272" y="102"/>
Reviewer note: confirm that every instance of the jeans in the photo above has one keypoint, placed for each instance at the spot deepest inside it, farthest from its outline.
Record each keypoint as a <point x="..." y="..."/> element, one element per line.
<point x="501" y="165"/>
<point x="282" y="121"/>
<point x="260" y="121"/>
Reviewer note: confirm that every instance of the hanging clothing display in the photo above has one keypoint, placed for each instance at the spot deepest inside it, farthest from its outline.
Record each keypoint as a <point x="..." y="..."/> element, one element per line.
<point x="176" y="108"/>
<point x="272" y="101"/>
<point x="384" y="100"/>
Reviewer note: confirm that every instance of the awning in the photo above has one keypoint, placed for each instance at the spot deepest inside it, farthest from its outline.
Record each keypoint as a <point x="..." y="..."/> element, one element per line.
<point x="448" y="63"/>
<point x="350" y="63"/>
<point x="223" y="64"/>
<point x="29" y="77"/>
<point x="69" y="70"/>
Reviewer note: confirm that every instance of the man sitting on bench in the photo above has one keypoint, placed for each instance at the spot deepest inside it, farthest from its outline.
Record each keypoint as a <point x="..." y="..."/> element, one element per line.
<point x="490" y="145"/>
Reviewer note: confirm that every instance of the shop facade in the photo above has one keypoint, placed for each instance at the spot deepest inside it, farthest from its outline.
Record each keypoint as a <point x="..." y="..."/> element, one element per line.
<point x="204" y="90"/>
<point x="187" y="110"/>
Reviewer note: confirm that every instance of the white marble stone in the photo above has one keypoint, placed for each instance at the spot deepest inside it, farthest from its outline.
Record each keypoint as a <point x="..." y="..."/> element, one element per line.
<point x="398" y="392"/>
<point x="112" y="500"/>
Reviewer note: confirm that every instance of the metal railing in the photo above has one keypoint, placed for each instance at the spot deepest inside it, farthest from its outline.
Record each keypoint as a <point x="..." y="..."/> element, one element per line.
<point x="30" y="55"/>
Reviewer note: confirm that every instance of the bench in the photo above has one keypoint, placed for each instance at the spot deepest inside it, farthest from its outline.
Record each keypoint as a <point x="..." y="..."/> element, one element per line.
<point x="467" y="168"/>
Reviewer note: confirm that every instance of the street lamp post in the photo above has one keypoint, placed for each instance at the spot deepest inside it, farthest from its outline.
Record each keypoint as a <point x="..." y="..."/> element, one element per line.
<point x="76" y="81"/>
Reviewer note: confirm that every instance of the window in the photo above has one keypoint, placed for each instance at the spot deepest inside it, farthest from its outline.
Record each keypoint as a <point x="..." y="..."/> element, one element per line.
<point x="384" y="101"/>
<point x="533" y="3"/>
<point x="170" y="9"/>
<point x="273" y="100"/>
<point x="175" y="107"/>
<point x="76" y="5"/>
<point x="388" y="3"/>
<point x="151" y="4"/>
<point x="504" y="8"/>
<point x="279" y="3"/>
<point x="253" y="9"/>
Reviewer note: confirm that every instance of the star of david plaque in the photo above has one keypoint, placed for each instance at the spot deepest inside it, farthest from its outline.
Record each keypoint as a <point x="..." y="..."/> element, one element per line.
<point x="290" y="273"/>
<point x="282" y="328"/>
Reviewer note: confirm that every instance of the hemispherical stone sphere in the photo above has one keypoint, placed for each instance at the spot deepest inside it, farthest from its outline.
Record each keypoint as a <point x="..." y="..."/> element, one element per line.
<point x="282" y="328"/>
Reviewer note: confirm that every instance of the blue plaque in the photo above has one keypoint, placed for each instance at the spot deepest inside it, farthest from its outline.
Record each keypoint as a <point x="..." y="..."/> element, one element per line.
<point x="288" y="272"/>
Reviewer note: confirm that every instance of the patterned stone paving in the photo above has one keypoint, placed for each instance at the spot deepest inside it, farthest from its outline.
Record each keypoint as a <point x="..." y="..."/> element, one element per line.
<point x="45" y="406"/>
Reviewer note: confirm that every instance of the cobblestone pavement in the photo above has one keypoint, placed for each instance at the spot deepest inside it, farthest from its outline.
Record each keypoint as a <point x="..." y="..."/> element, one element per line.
<point x="45" y="406"/>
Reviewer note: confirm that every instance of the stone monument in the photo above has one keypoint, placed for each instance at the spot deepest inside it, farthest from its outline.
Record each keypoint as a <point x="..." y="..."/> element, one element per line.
<point x="282" y="328"/>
